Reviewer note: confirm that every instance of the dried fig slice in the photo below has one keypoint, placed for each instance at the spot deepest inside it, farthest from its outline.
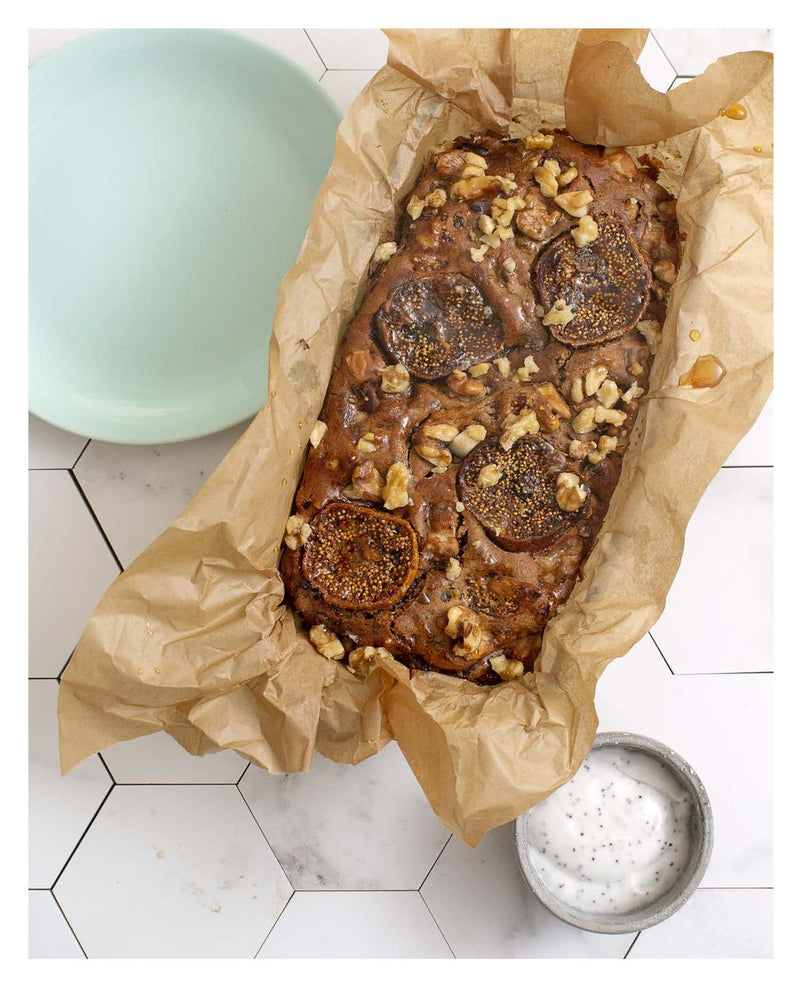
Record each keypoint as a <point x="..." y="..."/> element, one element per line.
<point x="434" y="325"/>
<point x="519" y="511"/>
<point x="358" y="558"/>
<point x="606" y="284"/>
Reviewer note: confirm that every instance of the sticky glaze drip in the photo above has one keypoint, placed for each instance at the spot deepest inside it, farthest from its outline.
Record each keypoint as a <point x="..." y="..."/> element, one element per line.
<point x="616" y="837"/>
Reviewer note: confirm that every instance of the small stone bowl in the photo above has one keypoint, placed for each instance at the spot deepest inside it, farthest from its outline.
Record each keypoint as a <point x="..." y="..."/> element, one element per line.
<point x="701" y="828"/>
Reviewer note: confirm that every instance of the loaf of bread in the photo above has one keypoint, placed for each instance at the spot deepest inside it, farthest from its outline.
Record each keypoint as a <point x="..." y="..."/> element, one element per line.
<point x="480" y="406"/>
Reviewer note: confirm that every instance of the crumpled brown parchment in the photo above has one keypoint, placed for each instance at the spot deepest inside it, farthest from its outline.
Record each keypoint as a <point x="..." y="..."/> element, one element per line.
<point x="194" y="638"/>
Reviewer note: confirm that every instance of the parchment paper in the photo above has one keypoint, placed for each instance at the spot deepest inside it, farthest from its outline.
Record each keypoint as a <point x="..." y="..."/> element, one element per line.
<point x="194" y="638"/>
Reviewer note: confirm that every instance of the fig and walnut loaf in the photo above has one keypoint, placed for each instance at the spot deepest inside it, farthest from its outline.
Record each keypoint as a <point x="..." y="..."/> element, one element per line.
<point x="480" y="405"/>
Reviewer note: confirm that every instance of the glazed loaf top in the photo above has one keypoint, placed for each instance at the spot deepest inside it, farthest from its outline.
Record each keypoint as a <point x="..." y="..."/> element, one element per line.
<point x="480" y="405"/>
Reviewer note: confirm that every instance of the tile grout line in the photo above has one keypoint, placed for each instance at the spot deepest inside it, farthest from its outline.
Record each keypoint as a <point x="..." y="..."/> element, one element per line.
<point x="650" y="635"/>
<point x="433" y="918"/>
<point x="78" y="843"/>
<point x="305" y="31"/>
<point x="272" y="926"/>
<point x="269" y="844"/>
<point x="669" y="60"/>
<point x="761" y="466"/>
<point x="63" y="914"/>
<point x="631" y="945"/>
<point x="80" y="454"/>
<point x="447" y="843"/>
<point x="95" y="518"/>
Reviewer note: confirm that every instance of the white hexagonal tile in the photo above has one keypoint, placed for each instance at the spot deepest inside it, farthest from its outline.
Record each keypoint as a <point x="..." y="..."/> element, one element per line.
<point x="138" y="490"/>
<point x="158" y="759"/>
<point x="352" y="925"/>
<point x="344" y="86"/>
<point x="718" y="615"/>
<point x="63" y="542"/>
<point x="722" y="724"/>
<point x="342" y="827"/>
<point x="757" y="448"/>
<point x="714" y="924"/>
<point x="655" y="66"/>
<point x="173" y="872"/>
<point x="291" y="42"/>
<point x="487" y="911"/>
<point x="60" y="808"/>
<point x="349" y="48"/>
<point x="49" y="935"/>
<point x="51" y="448"/>
<point x="692" y="50"/>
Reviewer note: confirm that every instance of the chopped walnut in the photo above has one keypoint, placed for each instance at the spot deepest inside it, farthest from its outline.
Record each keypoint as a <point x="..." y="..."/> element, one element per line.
<point x="632" y="393"/>
<point x="485" y="223"/>
<point x="594" y="378"/>
<point x="453" y="569"/>
<point x="357" y="364"/>
<point x="395" y="379"/>
<point x="559" y="314"/>
<point x="528" y="368"/>
<point x="465" y="386"/>
<point x="476" y="160"/>
<point x="651" y="330"/>
<point x="636" y="369"/>
<point x="538" y="141"/>
<point x="535" y="221"/>
<point x="395" y="492"/>
<point x="622" y="163"/>
<point x="436" y="199"/>
<point x="585" y="232"/>
<point x="479" y="370"/>
<point x="503" y="364"/>
<point x="548" y="185"/>
<point x="442" y="543"/>
<point x="552" y="166"/>
<point x="459" y="507"/>
<point x="566" y="177"/>
<point x="366" y="443"/>
<point x="550" y="406"/>
<point x="478" y="253"/>
<point x="525" y="424"/>
<point x="477" y="187"/>
<point x="575" y="203"/>
<point x="440" y="432"/>
<point x="490" y="475"/>
<point x="579" y="450"/>
<point x="317" y="433"/>
<point x="462" y="622"/>
<point x="466" y="440"/>
<point x="576" y="390"/>
<point x="366" y="483"/>
<point x="507" y="668"/>
<point x="415" y="207"/>
<point x="609" y="416"/>
<point x="326" y="643"/>
<point x="383" y="251"/>
<point x="664" y="270"/>
<point x="608" y="394"/>
<point x="606" y="444"/>
<point x="437" y="455"/>
<point x="584" y="421"/>
<point x="570" y="494"/>
<point x="509" y="265"/>
<point x="361" y="659"/>
<point x="297" y="532"/>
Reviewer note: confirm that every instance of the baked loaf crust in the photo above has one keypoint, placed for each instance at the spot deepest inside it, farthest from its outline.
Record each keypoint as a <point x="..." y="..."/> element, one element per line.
<point x="480" y="406"/>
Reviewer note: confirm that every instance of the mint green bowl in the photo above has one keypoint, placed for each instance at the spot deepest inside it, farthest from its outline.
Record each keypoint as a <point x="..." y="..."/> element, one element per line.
<point x="172" y="175"/>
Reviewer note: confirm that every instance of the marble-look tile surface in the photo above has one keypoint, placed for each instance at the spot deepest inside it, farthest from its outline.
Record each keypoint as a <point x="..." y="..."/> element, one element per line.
<point x="51" y="448"/>
<point x="692" y="50"/>
<point x="49" y="935"/>
<point x="158" y="759"/>
<point x="718" y="615"/>
<point x="352" y="925"/>
<point x="350" y="48"/>
<point x="713" y="924"/>
<point x="344" y="86"/>
<point x="721" y="724"/>
<point x="64" y="543"/>
<point x="138" y="490"/>
<point x="173" y="872"/>
<point x="487" y="911"/>
<point x="59" y="807"/>
<point x="343" y="827"/>
<point x="655" y="65"/>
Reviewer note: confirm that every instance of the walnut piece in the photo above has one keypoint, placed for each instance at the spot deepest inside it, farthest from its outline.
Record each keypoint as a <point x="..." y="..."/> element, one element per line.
<point x="604" y="415"/>
<point x="594" y="378"/>
<point x="528" y="368"/>
<point x="466" y="440"/>
<point x="357" y="364"/>
<point x="395" y="492"/>
<point x="559" y="314"/>
<point x="317" y="433"/>
<point x="361" y="660"/>
<point x="608" y="394"/>
<point x="584" y="421"/>
<point x="465" y="386"/>
<point x="550" y="406"/>
<point x="585" y="232"/>
<point x="476" y="187"/>
<point x="503" y="364"/>
<point x="570" y="494"/>
<point x="506" y="668"/>
<point x="463" y="623"/>
<point x="606" y="444"/>
<point x="579" y="450"/>
<point x="366" y="483"/>
<point x="538" y="141"/>
<point x="366" y="443"/>
<point x="576" y="390"/>
<point x="479" y="370"/>
<point x="395" y="379"/>
<point x="478" y="253"/>
<point x="546" y="180"/>
<point x="440" y="432"/>
<point x="490" y="475"/>
<point x="535" y="221"/>
<point x="632" y="393"/>
<point x="664" y="270"/>
<point x="566" y="177"/>
<point x="622" y="163"/>
<point x="437" y="455"/>
<point x="453" y="569"/>
<point x="575" y="203"/>
<point x="415" y="207"/>
<point x="326" y="643"/>
<point x="651" y="330"/>
<point x="297" y="532"/>
<point x="383" y="251"/>
<point x="525" y="424"/>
